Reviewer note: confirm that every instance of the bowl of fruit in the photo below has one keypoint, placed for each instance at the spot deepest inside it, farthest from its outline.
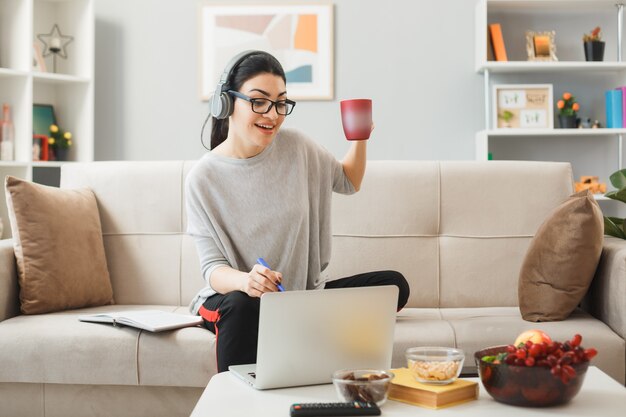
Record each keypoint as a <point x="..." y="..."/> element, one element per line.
<point x="535" y="371"/>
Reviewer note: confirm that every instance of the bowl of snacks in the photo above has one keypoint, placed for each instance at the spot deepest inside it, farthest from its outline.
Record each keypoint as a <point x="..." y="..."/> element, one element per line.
<point x="538" y="373"/>
<point x="435" y="365"/>
<point x="366" y="385"/>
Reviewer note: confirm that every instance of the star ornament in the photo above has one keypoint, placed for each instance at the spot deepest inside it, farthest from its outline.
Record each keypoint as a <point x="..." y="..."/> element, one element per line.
<point x="55" y="42"/>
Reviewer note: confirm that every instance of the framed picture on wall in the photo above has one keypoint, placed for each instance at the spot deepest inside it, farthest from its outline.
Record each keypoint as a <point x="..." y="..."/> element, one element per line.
<point x="522" y="106"/>
<point x="300" y="36"/>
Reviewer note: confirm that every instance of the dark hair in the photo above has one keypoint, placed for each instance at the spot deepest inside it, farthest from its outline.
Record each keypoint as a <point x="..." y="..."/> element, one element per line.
<point x="251" y="66"/>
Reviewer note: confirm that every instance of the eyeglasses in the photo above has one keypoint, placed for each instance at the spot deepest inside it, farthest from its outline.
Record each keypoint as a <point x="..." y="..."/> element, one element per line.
<point x="264" y="105"/>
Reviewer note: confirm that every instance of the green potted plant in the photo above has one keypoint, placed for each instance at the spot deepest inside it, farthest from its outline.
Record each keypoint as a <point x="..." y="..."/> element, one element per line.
<point x="614" y="226"/>
<point x="568" y="107"/>
<point x="60" y="142"/>
<point x="594" y="45"/>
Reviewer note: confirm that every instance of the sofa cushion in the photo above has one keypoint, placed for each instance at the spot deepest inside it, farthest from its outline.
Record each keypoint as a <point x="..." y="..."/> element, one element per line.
<point x="60" y="349"/>
<point x="478" y="328"/>
<point x="58" y="246"/>
<point x="57" y="348"/>
<point x="562" y="259"/>
<point x="418" y="327"/>
<point x="181" y="358"/>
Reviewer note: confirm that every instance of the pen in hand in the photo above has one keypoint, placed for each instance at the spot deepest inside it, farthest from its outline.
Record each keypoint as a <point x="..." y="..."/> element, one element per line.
<point x="262" y="262"/>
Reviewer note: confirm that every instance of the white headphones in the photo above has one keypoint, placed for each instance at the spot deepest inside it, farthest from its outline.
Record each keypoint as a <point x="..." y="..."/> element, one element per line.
<point x="221" y="103"/>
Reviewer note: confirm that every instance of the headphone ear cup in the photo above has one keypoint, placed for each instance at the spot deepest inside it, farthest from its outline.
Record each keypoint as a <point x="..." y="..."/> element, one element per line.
<point x="227" y="105"/>
<point x="221" y="106"/>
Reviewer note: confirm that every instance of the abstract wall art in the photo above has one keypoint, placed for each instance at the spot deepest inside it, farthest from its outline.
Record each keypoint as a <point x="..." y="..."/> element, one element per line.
<point x="299" y="36"/>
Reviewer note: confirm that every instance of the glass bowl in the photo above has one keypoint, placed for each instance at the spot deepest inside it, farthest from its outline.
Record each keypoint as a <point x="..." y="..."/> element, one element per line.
<point x="367" y="385"/>
<point x="526" y="386"/>
<point x="435" y="365"/>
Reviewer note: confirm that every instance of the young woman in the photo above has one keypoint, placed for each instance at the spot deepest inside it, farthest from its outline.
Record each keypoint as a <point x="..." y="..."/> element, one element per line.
<point x="265" y="192"/>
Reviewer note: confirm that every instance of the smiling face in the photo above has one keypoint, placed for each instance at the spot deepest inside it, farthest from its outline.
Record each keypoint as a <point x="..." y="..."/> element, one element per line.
<point x="249" y="132"/>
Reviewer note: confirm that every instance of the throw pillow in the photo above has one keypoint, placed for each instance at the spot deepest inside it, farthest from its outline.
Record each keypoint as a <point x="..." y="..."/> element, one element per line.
<point x="561" y="260"/>
<point x="58" y="247"/>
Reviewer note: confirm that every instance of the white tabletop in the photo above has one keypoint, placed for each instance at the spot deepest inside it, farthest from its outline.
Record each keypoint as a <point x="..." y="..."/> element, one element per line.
<point x="226" y="395"/>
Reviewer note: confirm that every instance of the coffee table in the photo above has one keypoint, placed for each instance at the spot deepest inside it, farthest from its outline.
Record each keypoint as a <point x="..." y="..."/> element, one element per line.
<point x="226" y="395"/>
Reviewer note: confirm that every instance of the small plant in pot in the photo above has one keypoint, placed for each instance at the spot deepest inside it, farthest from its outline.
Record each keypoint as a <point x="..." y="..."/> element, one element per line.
<point x="568" y="107"/>
<point x="594" y="45"/>
<point x="59" y="142"/>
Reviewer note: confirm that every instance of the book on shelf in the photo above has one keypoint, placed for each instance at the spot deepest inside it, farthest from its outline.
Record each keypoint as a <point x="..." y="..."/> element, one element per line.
<point x="623" y="90"/>
<point x="614" y="108"/>
<point x="497" y="42"/>
<point x="406" y="389"/>
<point x="490" y="56"/>
<point x="150" y="320"/>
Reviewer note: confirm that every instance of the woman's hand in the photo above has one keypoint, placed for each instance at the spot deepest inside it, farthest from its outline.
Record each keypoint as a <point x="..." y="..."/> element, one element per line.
<point x="261" y="280"/>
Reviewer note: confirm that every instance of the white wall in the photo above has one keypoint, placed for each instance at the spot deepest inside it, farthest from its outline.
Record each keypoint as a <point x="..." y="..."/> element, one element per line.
<point x="413" y="57"/>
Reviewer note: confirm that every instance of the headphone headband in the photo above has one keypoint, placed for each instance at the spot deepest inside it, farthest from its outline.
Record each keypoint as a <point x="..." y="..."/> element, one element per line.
<point x="221" y="102"/>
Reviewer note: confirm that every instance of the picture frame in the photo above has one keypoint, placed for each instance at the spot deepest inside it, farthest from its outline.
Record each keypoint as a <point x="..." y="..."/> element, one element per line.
<point x="530" y="106"/>
<point x="43" y="117"/>
<point x="300" y="36"/>
<point x="39" y="64"/>
<point x="541" y="46"/>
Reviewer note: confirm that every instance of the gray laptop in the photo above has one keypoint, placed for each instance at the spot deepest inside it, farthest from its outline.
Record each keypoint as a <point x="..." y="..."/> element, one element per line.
<point x="304" y="336"/>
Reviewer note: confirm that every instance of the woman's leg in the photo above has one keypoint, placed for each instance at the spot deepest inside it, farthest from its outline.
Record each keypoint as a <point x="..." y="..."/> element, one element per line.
<point x="371" y="279"/>
<point x="234" y="318"/>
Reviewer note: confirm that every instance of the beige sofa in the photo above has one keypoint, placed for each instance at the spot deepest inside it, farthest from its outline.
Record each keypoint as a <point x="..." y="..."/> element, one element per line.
<point x="458" y="231"/>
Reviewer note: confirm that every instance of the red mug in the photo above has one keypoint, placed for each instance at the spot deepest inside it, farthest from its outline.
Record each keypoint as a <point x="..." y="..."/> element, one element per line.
<point x="356" y="118"/>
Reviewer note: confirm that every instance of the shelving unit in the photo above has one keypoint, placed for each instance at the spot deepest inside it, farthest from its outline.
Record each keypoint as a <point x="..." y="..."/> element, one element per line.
<point x="586" y="80"/>
<point x="70" y="90"/>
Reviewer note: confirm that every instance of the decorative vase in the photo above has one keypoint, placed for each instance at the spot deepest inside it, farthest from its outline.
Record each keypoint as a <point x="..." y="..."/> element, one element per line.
<point x="61" y="154"/>
<point x="594" y="50"/>
<point x="567" y="122"/>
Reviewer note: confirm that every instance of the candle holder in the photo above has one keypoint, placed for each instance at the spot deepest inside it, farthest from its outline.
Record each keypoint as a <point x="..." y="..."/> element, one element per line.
<point x="54" y="44"/>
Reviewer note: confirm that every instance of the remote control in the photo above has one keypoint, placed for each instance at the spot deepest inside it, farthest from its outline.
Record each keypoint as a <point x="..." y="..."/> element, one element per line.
<point x="334" y="409"/>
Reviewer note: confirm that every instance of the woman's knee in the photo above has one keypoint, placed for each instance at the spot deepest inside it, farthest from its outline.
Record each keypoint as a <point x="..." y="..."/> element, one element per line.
<point x="238" y="303"/>
<point x="403" y="288"/>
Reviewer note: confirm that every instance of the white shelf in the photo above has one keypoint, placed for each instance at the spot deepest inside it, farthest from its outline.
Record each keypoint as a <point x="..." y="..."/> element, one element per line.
<point x="70" y="90"/>
<point x="7" y="72"/>
<point x="13" y="164"/>
<point x="51" y="78"/>
<point x="553" y="132"/>
<point x="497" y="67"/>
<point x="49" y="164"/>
<point x="570" y="19"/>
<point x="553" y="6"/>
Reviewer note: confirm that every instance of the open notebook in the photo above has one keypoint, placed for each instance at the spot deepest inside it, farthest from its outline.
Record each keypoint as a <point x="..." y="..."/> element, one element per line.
<point x="151" y="320"/>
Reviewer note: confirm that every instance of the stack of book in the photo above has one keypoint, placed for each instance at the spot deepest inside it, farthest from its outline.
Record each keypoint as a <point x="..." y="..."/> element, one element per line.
<point x="406" y="389"/>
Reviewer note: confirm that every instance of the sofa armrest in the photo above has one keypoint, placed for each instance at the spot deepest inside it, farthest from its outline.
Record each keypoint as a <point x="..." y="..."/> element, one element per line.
<point x="9" y="290"/>
<point x="606" y="299"/>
